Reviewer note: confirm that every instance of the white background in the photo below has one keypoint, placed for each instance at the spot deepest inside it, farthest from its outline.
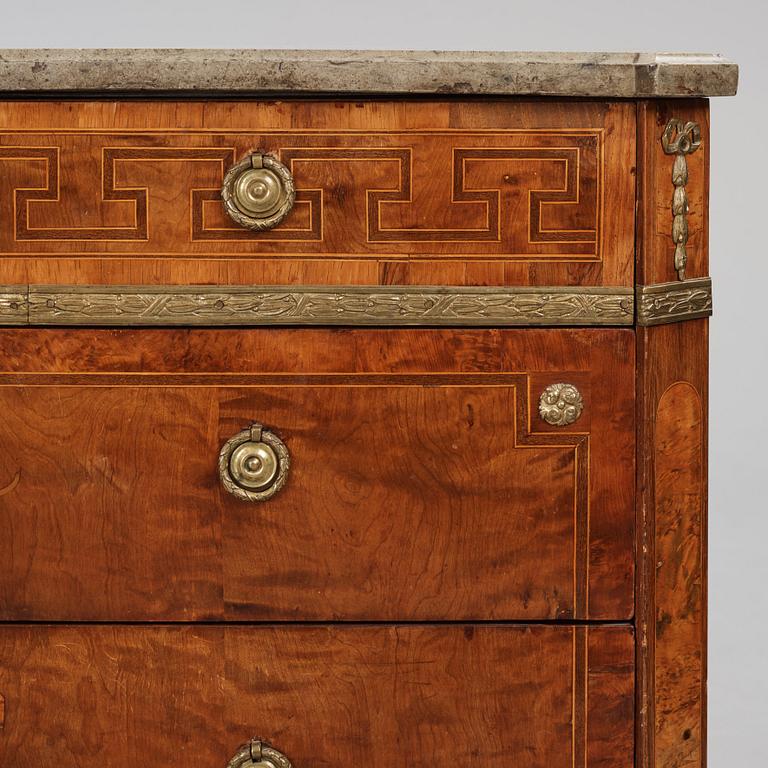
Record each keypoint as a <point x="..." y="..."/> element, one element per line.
<point x="738" y="703"/>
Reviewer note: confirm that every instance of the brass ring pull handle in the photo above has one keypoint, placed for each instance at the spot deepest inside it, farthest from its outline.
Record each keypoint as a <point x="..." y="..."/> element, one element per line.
<point x="258" y="192"/>
<point x="259" y="753"/>
<point x="253" y="465"/>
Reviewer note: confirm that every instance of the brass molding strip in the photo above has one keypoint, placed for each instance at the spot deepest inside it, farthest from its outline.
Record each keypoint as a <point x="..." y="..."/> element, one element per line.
<point x="674" y="302"/>
<point x="160" y="305"/>
<point x="13" y="305"/>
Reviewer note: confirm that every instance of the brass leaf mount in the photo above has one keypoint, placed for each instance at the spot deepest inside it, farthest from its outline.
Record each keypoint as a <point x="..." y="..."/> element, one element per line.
<point x="680" y="139"/>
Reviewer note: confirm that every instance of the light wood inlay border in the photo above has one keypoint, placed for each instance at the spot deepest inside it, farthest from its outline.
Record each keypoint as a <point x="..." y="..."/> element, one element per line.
<point x="525" y="435"/>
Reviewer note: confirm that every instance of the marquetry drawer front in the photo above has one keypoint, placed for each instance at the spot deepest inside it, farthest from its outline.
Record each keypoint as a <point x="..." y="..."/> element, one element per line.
<point x="426" y="193"/>
<point x="421" y="479"/>
<point x="352" y="696"/>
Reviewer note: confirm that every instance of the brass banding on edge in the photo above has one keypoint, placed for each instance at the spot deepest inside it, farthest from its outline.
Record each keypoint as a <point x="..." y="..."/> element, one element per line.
<point x="161" y="305"/>
<point x="14" y="307"/>
<point x="674" y="302"/>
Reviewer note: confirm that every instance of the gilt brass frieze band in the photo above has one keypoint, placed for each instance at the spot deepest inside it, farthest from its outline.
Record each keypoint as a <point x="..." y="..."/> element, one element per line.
<point x="326" y="305"/>
<point x="13" y="305"/>
<point x="674" y="302"/>
<point x="159" y="305"/>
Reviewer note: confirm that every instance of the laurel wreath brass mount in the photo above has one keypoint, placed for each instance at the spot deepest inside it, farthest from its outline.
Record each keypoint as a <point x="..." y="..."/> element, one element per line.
<point x="254" y="464"/>
<point x="258" y="192"/>
<point x="257" y="753"/>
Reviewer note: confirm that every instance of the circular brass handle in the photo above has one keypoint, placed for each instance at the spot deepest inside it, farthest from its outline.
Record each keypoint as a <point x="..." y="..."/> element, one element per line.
<point x="258" y="192"/>
<point x="253" y="465"/>
<point x="258" y="753"/>
<point x="560" y="404"/>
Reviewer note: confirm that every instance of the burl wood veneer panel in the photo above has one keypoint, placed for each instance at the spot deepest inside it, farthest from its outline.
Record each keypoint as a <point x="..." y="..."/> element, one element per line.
<point x="106" y="696"/>
<point x="389" y="192"/>
<point x="423" y="483"/>
<point x="672" y="422"/>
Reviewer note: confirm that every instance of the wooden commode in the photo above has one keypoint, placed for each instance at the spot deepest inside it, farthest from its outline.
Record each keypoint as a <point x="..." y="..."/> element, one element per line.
<point x="353" y="408"/>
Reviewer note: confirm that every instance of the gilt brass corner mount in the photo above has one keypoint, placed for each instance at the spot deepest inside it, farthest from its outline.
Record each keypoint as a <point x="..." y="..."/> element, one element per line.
<point x="674" y="302"/>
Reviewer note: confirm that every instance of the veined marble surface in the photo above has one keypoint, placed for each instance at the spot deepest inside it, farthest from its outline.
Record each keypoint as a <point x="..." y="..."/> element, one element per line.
<point x="605" y="75"/>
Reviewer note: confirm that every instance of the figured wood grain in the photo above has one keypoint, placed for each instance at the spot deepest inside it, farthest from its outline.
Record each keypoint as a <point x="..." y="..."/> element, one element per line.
<point x="108" y="696"/>
<point x="423" y="483"/>
<point x="678" y="666"/>
<point x="671" y="589"/>
<point x="403" y="192"/>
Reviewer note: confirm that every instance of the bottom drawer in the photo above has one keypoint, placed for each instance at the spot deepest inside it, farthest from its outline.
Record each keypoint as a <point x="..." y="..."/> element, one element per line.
<point x="368" y="696"/>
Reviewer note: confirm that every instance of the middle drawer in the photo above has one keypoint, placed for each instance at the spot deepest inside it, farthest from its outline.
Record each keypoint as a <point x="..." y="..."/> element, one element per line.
<point x="424" y="483"/>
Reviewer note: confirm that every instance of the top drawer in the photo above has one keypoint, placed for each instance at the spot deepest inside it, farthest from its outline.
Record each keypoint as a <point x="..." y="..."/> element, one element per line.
<point x="503" y="192"/>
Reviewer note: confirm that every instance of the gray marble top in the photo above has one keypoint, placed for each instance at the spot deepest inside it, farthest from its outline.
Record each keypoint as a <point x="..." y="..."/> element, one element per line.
<point x="367" y="72"/>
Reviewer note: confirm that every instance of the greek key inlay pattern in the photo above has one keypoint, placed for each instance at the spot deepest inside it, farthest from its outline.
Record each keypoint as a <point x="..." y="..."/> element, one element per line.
<point x="357" y="196"/>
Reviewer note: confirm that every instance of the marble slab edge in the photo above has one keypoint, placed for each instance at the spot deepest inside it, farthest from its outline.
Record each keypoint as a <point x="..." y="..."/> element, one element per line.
<point x="246" y="71"/>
